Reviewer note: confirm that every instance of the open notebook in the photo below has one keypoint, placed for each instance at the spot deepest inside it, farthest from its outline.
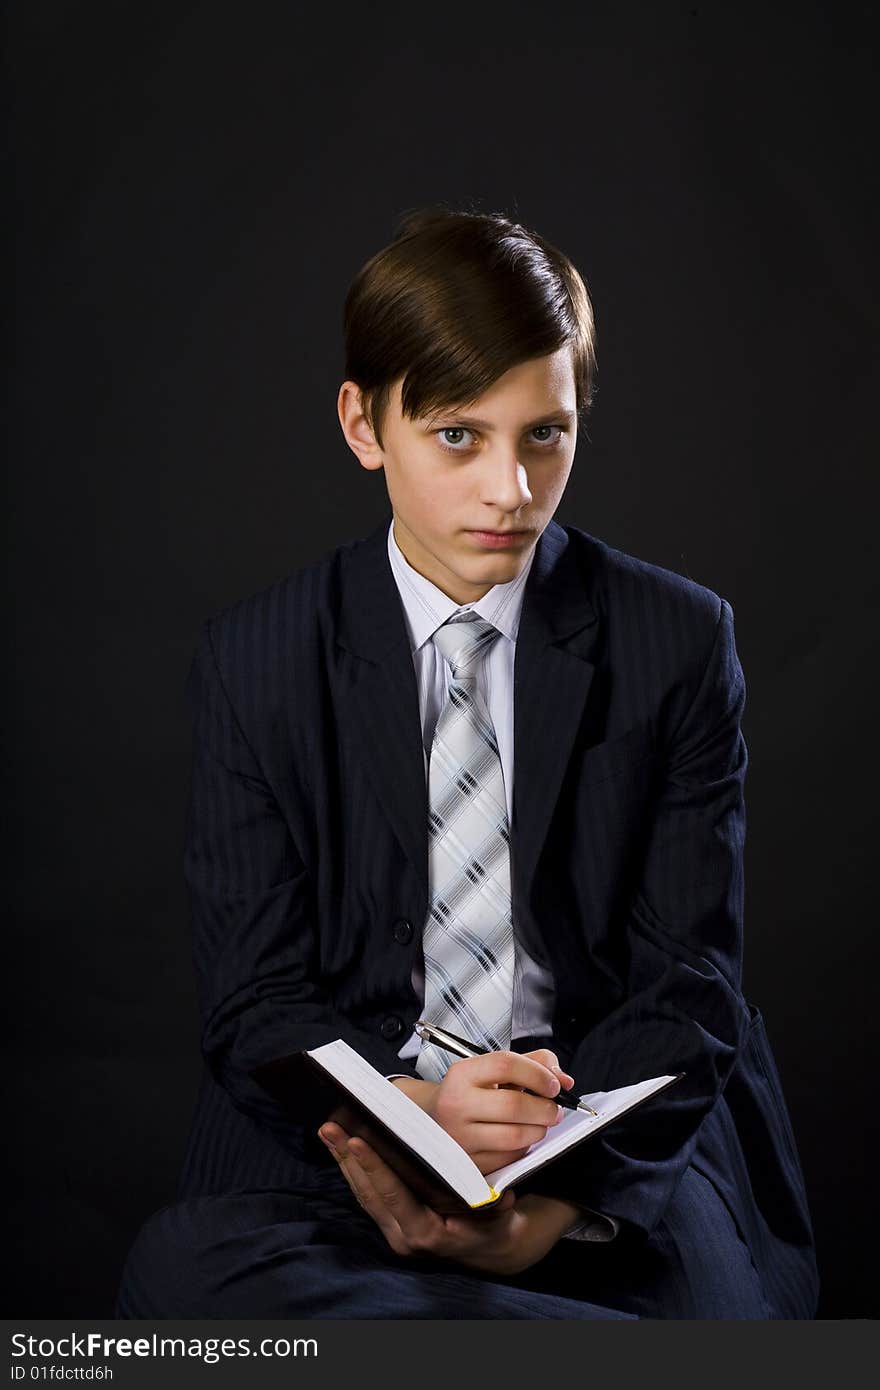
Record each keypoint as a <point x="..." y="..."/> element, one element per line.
<point x="334" y="1082"/>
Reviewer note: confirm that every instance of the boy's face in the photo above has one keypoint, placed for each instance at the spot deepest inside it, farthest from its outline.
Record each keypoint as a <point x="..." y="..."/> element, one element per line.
<point x="499" y="464"/>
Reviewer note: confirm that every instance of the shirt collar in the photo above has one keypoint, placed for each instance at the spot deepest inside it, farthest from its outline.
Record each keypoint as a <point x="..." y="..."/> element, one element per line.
<point x="426" y="607"/>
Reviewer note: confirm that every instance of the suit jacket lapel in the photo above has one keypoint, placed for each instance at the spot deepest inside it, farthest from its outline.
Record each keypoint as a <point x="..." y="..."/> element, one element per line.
<point x="552" y="676"/>
<point x="380" y="699"/>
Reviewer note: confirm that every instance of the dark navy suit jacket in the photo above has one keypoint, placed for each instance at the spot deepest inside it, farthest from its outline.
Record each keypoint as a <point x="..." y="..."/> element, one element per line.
<point x="307" y="864"/>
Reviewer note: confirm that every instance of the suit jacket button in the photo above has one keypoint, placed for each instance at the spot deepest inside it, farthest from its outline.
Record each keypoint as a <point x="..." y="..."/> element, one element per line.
<point x="391" y="1027"/>
<point x="402" y="931"/>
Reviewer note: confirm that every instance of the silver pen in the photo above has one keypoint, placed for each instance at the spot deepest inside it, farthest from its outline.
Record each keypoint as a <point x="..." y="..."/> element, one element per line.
<point x="460" y="1047"/>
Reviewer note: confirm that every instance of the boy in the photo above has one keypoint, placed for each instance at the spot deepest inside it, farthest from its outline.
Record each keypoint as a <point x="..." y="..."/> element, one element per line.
<point x="483" y="769"/>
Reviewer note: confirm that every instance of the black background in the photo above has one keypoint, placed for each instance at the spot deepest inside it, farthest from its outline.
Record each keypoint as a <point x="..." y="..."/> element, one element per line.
<point x="195" y="186"/>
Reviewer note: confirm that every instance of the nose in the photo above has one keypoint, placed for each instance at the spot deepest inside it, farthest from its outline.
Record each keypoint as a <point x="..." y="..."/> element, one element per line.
<point x="505" y="484"/>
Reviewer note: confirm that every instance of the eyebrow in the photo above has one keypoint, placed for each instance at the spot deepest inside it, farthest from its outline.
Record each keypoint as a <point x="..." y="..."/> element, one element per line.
<point x="554" y="413"/>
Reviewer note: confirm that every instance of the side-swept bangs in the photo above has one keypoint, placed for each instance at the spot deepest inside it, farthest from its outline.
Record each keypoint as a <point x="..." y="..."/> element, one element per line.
<point x="455" y="301"/>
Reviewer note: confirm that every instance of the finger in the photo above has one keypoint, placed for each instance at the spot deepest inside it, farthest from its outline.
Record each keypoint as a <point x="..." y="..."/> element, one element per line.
<point x="392" y="1199"/>
<point x="511" y="1106"/>
<point x="503" y="1139"/>
<point x="384" y="1183"/>
<point x="492" y="1159"/>
<point x="338" y="1142"/>
<point x="332" y="1134"/>
<point x="368" y="1198"/>
<point x="548" y="1058"/>
<point x="510" y="1069"/>
<point x="488" y="1141"/>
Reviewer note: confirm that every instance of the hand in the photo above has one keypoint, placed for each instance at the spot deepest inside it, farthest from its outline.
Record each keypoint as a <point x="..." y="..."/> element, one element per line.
<point x="514" y="1236"/>
<point x="494" y="1127"/>
<point x="478" y="1102"/>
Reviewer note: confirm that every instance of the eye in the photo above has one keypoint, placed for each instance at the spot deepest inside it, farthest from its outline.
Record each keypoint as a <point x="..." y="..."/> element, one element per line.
<point x="539" y="429"/>
<point x="449" y="443"/>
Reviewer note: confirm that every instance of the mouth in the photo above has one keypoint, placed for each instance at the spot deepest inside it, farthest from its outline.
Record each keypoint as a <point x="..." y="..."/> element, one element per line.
<point x="499" y="538"/>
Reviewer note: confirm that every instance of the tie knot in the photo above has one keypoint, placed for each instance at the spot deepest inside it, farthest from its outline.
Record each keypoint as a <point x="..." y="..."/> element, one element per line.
<point x="463" y="641"/>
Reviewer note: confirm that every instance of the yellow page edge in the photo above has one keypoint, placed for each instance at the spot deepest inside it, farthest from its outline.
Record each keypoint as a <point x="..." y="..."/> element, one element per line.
<point x="493" y="1197"/>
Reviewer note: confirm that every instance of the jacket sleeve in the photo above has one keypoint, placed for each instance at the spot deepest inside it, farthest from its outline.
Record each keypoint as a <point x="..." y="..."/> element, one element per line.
<point x="682" y="1009"/>
<point x="255" y="943"/>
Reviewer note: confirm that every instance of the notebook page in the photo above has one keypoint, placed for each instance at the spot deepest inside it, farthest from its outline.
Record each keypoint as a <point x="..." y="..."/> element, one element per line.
<point x="574" y="1125"/>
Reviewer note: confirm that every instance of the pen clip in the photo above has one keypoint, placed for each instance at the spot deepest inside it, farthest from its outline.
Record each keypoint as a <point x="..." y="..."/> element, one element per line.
<point x="460" y="1046"/>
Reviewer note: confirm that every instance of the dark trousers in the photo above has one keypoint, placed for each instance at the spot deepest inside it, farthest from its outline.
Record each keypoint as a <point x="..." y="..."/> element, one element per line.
<point x="272" y="1254"/>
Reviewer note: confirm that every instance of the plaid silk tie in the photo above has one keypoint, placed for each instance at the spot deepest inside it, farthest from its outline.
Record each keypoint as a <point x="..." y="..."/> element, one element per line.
<point x="468" y="937"/>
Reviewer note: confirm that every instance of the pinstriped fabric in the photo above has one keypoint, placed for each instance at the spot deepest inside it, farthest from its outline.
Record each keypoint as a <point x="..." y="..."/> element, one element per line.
<point x="308" y="882"/>
<point x="468" y="935"/>
<point x="285" y="1254"/>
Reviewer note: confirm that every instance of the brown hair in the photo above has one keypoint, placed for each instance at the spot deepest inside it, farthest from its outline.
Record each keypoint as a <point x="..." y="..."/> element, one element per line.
<point x="455" y="300"/>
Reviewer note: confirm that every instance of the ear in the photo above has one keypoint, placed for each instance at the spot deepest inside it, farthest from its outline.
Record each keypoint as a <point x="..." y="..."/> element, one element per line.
<point x="355" y="426"/>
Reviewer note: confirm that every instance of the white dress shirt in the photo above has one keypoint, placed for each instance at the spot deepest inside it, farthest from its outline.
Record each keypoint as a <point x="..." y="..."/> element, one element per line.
<point x="426" y="608"/>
